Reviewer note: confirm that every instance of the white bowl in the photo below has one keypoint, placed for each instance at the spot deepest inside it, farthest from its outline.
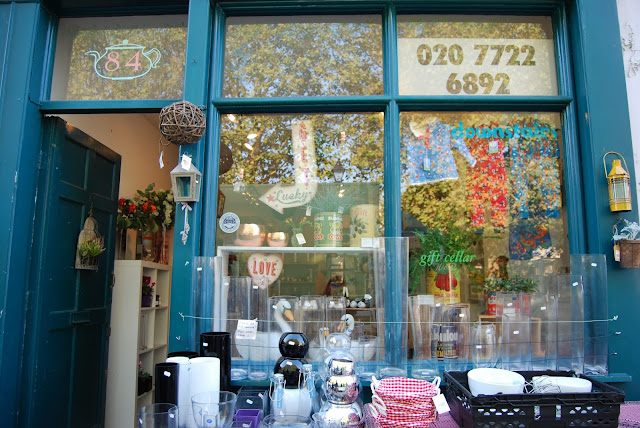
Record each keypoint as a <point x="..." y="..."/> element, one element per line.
<point x="561" y="384"/>
<point x="489" y="381"/>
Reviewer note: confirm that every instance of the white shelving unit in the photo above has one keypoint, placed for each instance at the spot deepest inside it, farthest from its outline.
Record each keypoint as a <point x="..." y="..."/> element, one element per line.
<point x="137" y="334"/>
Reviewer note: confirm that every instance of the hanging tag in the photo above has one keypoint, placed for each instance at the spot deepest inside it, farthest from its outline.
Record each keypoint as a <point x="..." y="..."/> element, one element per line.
<point x="186" y="162"/>
<point x="308" y="210"/>
<point x="160" y="161"/>
<point x="426" y="163"/>
<point x="616" y="252"/>
<point x="247" y="329"/>
<point x="340" y="210"/>
<point x="441" y="404"/>
<point x="493" y="147"/>
<point x="167" y="374"/>
<point x="205" y="344"/>
<point x="249" y="401"/>
<point x="300" y="238"/>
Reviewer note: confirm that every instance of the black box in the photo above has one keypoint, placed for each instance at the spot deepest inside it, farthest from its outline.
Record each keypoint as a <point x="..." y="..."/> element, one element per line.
<point x="600" y="407"/>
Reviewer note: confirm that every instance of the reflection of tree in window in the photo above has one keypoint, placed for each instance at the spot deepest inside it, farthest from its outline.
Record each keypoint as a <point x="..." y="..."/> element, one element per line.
<point x="303" y="59"/>
<point x="271" y="158"/>
<point x="438" y="26"/>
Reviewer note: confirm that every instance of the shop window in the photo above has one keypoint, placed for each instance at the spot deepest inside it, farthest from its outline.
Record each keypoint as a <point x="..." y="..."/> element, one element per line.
<point x="476" y="55"/>
<point x="492" y="182"/>
<point x="118" y="58"/>
<point x="303" y="56"/>
<point x="283" y="182"/>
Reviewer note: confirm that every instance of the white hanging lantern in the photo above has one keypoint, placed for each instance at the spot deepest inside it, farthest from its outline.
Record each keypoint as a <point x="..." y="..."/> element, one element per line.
<point x="186" y="181"/>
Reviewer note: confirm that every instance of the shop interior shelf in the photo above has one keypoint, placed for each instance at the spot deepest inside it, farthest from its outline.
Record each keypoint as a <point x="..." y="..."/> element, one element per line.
<point x="226" y="249"/>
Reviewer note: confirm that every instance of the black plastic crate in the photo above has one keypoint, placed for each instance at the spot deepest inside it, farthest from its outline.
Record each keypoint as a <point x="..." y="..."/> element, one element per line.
<point x="600" y="407"/>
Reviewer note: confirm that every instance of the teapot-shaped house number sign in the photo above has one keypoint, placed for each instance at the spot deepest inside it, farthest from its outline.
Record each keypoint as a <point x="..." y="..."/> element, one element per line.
<point x="125" y="61"/>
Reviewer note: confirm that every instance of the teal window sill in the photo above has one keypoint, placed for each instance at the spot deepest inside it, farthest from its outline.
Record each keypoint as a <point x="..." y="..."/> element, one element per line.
<point x="610" y="378"/>
<point x="613" y="378"/>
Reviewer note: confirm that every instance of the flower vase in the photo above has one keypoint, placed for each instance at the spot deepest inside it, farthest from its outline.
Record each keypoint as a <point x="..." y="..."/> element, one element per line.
<point x="294" y="237"/>
<point x="163" y="253"/>
<point x="121" y="244"/>
<point x="148" y="239"/>
<point x="146" y="301"/>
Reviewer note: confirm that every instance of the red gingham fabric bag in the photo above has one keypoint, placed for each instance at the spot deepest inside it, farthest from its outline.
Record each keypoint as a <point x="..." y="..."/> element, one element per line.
<point x="399" y="402"/>
<point x="392" y="408"/>
<point x="374" y="419"/>
<point x="404" y="390"/>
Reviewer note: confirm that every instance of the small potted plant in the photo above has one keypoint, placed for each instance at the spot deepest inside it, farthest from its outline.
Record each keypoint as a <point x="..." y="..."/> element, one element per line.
<point x="627" y="244"/>
<point x="328" y="205"/>
<point x="147" y="291"/>
<point x="442" y="255"/>
<point x="145" y="380"/>
<point x="514" y="284"/>
<point x="88" y="252"/>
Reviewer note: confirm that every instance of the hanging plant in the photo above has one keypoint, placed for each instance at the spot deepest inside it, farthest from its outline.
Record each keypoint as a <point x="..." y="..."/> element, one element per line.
<point x="90" y="245"/>
<point x="627" y="244"/>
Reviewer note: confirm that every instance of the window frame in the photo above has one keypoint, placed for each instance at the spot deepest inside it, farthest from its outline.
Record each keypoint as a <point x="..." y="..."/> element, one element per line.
<point x="392" y="104"/>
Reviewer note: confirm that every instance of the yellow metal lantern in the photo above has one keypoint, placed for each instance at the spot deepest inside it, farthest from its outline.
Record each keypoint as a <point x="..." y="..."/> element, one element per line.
<point x="619" y="184"/>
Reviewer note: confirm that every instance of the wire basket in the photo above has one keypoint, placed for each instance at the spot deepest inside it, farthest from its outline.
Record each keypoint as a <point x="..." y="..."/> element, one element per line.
<point x="601" y="407"/>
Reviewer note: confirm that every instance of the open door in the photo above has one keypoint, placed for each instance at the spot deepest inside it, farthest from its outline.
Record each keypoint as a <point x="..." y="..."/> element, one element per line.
<point x="69" y="310"/>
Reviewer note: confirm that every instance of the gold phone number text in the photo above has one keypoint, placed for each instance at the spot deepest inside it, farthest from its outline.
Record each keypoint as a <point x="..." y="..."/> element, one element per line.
<point x="472" y="83"/>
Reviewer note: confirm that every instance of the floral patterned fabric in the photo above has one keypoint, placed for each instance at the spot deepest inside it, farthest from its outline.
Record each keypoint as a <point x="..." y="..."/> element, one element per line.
<point x="429" y="153"/>
<point x="527" y="236"/>
<point x="534" y="163"/>
<point x="487" y="181"/>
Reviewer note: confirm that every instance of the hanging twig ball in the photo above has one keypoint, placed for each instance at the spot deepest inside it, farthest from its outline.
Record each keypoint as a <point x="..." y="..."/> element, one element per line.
<point x="182" y="123"/>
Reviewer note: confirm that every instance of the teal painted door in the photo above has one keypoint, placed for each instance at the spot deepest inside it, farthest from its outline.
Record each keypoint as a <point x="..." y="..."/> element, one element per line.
<point x="71" y="308"/>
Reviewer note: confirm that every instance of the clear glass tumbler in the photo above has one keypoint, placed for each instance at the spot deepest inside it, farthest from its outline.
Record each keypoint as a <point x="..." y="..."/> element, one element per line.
<point x="483" y="345"/>
<point x="213" y="409"/>
<point x="158" y="415"/>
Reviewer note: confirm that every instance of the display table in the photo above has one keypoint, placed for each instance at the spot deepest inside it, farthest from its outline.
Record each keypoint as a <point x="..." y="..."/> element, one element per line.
<point x="445" y="421"/>
<point x="630" y="414"/>
<point x="629" y="417"/>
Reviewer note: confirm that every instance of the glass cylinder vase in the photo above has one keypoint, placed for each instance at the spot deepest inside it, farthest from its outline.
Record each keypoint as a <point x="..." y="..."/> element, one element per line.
<point x="422" y="309"/>
<point x="391" y="276"/>
<point x="312" y="323"/>
<point x="148" y="245"/>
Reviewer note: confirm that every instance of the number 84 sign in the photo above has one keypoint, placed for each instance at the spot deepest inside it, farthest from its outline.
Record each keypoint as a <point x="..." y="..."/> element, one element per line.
<point x="124" y="61"/>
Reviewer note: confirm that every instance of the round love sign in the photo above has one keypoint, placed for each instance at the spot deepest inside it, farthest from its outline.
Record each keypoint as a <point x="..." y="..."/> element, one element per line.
<point x="264" y="268"/>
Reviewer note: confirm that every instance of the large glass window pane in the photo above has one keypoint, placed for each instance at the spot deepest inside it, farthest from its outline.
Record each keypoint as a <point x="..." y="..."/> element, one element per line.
<point x="489" y="185"/>
<point x="116" y="58"/>
<point x="282" y="181"/>
<point x="476" y="55"/>
<point x="303" y="56"/>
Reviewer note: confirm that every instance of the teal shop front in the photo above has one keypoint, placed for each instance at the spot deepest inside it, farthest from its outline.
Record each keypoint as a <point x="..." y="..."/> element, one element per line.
<point x="367" y="112"/>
